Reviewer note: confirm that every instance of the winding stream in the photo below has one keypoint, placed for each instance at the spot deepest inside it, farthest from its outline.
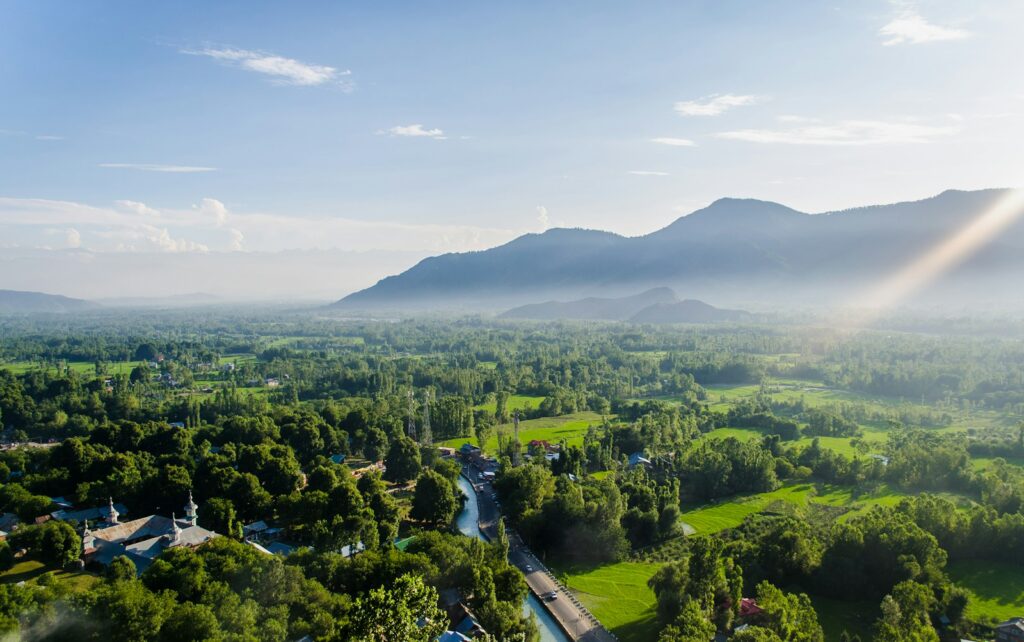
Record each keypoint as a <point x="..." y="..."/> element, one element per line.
<point x="467" y="523"/>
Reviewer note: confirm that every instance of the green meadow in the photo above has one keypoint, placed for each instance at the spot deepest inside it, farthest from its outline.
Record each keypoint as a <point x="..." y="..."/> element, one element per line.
<point x="570" y="428"/>
<point x="997" y="590"/>
<point x="618" y="596"/>
<point x="515" y="402"/>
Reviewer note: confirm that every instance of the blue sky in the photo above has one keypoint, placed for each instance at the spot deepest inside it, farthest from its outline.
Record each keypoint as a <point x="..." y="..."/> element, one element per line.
<point x="443" y="126"/>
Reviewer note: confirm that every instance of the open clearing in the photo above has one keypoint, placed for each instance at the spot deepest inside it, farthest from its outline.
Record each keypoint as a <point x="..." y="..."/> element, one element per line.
<point x="570" y="428"/>
<point x="997" y="590"/>
<point x="618" y="595"/>
<point x="515" y="402"/>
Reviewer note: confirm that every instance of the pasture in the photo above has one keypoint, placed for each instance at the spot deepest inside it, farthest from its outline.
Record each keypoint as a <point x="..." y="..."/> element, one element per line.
<point x="997" y="590"/>
<point x="570" y="428"/>
<point x="618" y="595"/>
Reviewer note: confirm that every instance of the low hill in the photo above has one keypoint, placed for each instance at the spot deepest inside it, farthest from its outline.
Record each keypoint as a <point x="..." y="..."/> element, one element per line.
<point x="593" y="308"/>
<point x="687" y="311"/>
<point x="17" y="302"/>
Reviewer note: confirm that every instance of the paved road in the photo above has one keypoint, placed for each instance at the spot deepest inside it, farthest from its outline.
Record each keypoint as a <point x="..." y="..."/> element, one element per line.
<point x="570" y="614"/>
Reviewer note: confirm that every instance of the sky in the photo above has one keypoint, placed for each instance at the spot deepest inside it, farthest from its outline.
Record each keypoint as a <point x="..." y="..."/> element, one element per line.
<point x="402" y="130"/>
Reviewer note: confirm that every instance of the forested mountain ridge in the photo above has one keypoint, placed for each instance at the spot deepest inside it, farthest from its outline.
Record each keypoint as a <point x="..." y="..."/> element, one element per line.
<point x="733" y="251"/>
<point x="17" y="302"/>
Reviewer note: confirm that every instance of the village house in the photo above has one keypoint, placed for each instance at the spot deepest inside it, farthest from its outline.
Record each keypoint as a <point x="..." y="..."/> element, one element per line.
<point x="1011" y="630"/>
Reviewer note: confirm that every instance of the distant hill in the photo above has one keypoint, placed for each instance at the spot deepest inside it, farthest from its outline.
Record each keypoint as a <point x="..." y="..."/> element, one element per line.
<point x="16" y="302"/>
<point x="593" y="308"/>
<point x="658" y="305"/>
<point x="737" y="252"/>
<point x="687" y="311"/>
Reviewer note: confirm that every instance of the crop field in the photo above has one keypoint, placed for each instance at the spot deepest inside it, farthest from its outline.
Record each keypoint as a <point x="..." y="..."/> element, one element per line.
<point x="515" y="402"/>
<point x="729" y="513"/>
<point x="570" y="428"/>
<point x="997" y="590"/>
<point x="80" y="367"/>
<point x="618" y="595"/>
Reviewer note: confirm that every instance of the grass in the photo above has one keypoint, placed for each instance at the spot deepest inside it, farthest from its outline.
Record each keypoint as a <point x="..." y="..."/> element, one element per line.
<point x="618" y="595"/>
<point x="997" y="590"/>
<point x="730" y="513"/>
<point x="29" y="570"/>
<point x="514" y="402"/>
<point x="87" y="368"/>
<point x="571" y="428"/>
<point x="836" y="616"/>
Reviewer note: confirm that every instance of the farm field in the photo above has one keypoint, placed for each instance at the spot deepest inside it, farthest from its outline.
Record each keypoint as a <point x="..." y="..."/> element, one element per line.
<point x="729" y="513"/>
<point x="515" y="402"/>
<point x="873" y="439"/>
<point x="618" y="595"/>
<point x="571" y="428"/>
<point x="81" y="367"/>
<point x="997" y="591"/>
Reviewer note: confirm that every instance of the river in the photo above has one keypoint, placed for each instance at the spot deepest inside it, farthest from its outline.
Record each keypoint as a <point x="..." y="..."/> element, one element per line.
<point x="468" y="523"/>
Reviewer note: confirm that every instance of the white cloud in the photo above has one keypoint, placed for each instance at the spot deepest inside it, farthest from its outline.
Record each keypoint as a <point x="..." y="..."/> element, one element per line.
<point x="237" y="243"/>
<point x="909" y="27"/>
<point x="72" y="238"/>
<point x="49" y="137"/>
<point x="641" y="172"/>
<point x="286" y="71"/>
<point x="209" y="226"/>
<point x="675" y="142"/>
<point x="417" y="131"/>
<point x="153" y="167"/>
<point x="714" y="104"/>
<point x="542" y="217"/>
<point x="846" y="132"/>
<point x="136" y="207"/>
<point x="211" y="207"/>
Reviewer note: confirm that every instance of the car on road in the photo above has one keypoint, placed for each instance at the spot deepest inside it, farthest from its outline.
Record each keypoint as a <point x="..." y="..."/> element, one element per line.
<point x="553" y="595"/>
<point x="529" y="569"/>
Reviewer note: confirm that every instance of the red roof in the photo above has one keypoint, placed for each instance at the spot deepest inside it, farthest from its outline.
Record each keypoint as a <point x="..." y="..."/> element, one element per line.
<point x="749" y="607"/>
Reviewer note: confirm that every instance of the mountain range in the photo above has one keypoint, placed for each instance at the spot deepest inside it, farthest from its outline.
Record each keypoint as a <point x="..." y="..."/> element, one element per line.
<point x="735" y="251"/>
<point x="18" y="302"/>
<point x="658" y="305"/>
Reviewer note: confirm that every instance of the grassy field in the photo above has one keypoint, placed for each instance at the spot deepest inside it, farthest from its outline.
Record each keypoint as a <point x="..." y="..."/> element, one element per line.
<point x="515" y="402"/>
<point x="997" y="590"/>
<point x="729" y="513"/>
<point x="836" y="616"/>
<point x="80" y="367"/>
<point x="29" y="570"/>
<point x="618" y="595"/>
<point x="571" y="428"/>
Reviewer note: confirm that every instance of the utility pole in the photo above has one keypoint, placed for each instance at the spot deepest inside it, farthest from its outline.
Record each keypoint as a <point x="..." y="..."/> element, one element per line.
<point x="410" y="426"/>
<point x="426" y="438"/>
<point x="516" y="446"/>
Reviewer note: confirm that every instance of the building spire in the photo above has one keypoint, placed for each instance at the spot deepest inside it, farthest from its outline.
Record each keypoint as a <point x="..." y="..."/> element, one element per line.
<point x="175" y="529"/>
<point x="191" y="508"/>
<point x="112" y="515"/>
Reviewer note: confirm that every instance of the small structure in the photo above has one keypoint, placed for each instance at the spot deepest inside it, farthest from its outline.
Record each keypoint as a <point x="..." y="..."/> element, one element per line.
<point x="272" y="382"/>
<point x="749" y="608"/>
<point x="338" y="459"/>
<point x="1011" y="630"/>
<point x="637" y="459"/>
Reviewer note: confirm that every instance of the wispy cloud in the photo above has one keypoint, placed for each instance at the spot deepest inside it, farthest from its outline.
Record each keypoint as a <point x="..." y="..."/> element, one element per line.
<point x="286" y="71"/>
<point x="910" y="27"/>
<point x="153" y="167"/>
<point x="49" y="137"/>
<point x="131" y="226"/>
<point x="643" y="172"/>
<point x="675" y="142"/>
<point x="714" y="104"/>
<point x="542" y="217"/>
<point x="417" y="131"/>
<point x="846" y="132"/>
